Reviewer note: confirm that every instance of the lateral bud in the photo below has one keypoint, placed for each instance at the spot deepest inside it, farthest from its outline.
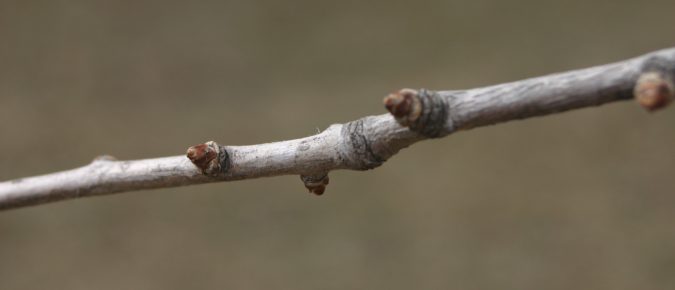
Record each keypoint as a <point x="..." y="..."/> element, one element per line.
<point x="316" y="184"/>
<point x="404" y="105"/>
<point x="422" y="111"/>
<point x="206" y="157"/>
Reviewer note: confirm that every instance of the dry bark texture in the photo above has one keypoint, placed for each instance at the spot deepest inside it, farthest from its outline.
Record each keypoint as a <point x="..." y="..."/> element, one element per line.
<point x="365" y="143"/>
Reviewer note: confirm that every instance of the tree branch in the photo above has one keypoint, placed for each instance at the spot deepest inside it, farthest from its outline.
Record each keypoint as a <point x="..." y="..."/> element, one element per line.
<point x="364" y="143"/>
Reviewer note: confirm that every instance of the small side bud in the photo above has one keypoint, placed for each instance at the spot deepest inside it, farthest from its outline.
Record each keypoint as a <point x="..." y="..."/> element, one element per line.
<point x="316" y="184"/>
<point x="205" y="157"/>
<point x="404" y="105"/>
<point x="422" y="111"/>
<point x="653" y="91"/>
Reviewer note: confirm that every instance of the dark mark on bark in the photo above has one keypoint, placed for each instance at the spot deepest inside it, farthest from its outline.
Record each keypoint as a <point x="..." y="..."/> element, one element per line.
<point x="663" y="65"/>
<point x="360" y="154"/>
<point x="303" y="146"/>
<point x="434" y="114"/>
<point x="224" y="159"/>
<point x="422" y="111"/>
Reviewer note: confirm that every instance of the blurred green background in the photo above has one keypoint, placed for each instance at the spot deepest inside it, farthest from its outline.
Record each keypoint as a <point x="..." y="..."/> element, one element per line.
<point x="580" y="200"/>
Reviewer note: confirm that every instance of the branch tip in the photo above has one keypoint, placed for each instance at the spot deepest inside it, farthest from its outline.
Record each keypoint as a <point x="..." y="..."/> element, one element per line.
<point x="205" y="157"/>
<point x="653" y="91"/>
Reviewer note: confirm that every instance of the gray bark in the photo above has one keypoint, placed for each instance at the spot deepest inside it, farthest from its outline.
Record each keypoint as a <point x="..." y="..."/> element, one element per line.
<point x="364" y="143"/>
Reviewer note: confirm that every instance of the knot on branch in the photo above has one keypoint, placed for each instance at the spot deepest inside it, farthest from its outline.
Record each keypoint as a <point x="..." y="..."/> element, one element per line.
<point x="209" y="157"/>
<point x="422" y="111"/>
<point x="316" y="184"/>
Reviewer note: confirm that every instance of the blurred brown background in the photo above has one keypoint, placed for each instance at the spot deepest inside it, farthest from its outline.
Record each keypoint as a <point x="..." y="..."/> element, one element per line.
<point x="581" y="200"/>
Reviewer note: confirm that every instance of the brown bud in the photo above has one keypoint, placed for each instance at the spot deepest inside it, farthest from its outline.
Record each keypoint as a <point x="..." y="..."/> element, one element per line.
<point x="205" y="157"/>
<point x="315" y="184"/>
<point x="404" y="105"/>
<point x="652" y="91"/>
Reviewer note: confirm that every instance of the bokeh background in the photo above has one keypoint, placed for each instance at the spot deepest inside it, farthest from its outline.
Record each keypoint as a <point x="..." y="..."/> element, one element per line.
<point x="580" y="200"/>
